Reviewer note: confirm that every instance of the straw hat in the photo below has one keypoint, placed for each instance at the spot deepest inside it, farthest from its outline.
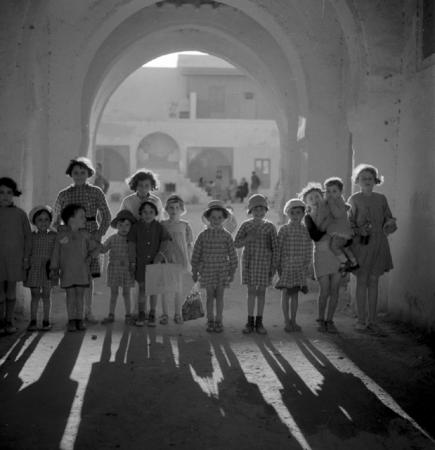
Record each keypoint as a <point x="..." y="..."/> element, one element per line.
<point x="257" y="200"/>
<point x="124" y="214"/>
<point x="39" y="208"/>
<point x="218" y="205"/>
<point x="293" y="203"/>
<point x="153" y="201"/>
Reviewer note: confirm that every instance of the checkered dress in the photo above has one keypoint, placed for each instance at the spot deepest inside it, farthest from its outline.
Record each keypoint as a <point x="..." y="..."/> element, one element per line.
<point x="93" y="200"/>
<point x="214" y="257"/>
<point x="259" y="257"/>
<point x="41" y="249"/>
<point x="295" y="252"/>
<point x="118" y="274"/>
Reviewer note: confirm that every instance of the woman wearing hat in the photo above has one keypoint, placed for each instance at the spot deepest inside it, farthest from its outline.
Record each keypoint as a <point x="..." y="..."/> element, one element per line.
<point x="94" y="202"/>
<point x="214" y="261"/>
<point x="38" y="280"/>
<point x="258" y="237"/>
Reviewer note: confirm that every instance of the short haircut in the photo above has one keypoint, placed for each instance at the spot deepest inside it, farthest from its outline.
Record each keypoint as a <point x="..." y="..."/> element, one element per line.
<point x="141" y="175"/>
<point x="70" y="211"/>
<point x="222" y="210"/>
<point x="334" y="181"/>
<point x="42" y="211"/>
<point x="312" y="186"/>
<point x="146" y="202"/>
<point x="82" y="162"/>
<point x="379" y="179"/>
<point x="11" y="184"/>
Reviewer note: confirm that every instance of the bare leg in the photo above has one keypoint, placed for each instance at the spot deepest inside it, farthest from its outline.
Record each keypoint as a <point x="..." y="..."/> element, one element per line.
<point x="294" y="303"/>
<point x="70" y="303"/>
<point x="334" y="287"/>
<point x="349" y="255"/>
<point x="324" y="285"/>
<point x="89" y="292"/>
<point x="361" y="298"/>
<point x="11" y="295"/>
<point x="210" y="294"/>
<point x="141" y="298"/>
<point x="165" y="304"/>
<point x="34" y="302"/>
<point x="285" y="306"/>
<point x="153" y="303"/>
<point x="251" y="300"/>
<point x="372" y="298"/>
<point x="261" y="299"/>
<point x="219" y="303"/>
<point x="80" y="302"/>
<point x="46" y="304"/>
<point x="127" y="302"/>
<point x="113" y="299"/>
<point x="336" y="245"/>
<point x="177" y="305"/>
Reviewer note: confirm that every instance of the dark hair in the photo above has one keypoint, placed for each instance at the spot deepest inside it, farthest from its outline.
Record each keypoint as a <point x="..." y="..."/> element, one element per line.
<point x="334" y="181"/>
<point x="11" y="184"/>
<point x="146" y="202"/>
<point x="70" y="211"/>
<point x="82" y="162"/>
<point x="38" y="213"/>
<point x="379" y="179"/>
<point x="312" y="186"/>
<point x="141" y="175"/>
<point x="298" y="207"/>
<point x="223" y="210"/>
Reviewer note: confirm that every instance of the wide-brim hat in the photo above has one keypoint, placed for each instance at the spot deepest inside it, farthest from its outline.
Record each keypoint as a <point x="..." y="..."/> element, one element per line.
<point x="293" y="203"/>
<point x="82" y="162"/>
<point x="218" y="205"/>
<point x="257" y="200"/>
<point x="39" y="208"/>
<point x="153" y="202"/>
<point x="174" y="198"/>
<point x="124" y="214"/>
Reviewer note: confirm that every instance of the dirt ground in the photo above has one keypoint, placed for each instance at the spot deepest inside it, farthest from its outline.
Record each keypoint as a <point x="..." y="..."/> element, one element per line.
<point x="176" y="386"/>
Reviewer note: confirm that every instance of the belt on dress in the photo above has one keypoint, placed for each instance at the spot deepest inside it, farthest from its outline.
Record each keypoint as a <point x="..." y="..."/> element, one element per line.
<point x="91" y="219"/>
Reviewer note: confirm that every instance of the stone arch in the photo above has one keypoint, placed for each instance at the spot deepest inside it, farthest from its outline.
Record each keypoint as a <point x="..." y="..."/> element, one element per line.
<point x="115" y="161"/>
<point x="158" y="151"/>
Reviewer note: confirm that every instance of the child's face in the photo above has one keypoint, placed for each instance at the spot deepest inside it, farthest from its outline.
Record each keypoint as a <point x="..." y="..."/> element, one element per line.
<point x="174" y="210"/>
<point x="313" y="198"/>
<point x="79" y="175"/>
<point x="42" y="221"/>
<point x="333" y="191"/>
<point x="78" y="221"/>
<point x="148" y="213"/>
<point x="6" y="196"/>
<point x="143" y="187"/>
<point x="258" y="212"/>
<point x="123" y="227"/>
<point x="366" y="180"/>
<point x="216" y="218"/>
<point x="296" y="214"/>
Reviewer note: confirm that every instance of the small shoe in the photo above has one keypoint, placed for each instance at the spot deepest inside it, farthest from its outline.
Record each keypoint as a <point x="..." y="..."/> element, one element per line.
<point x="151" y="320"/>
<point x="296" y="327"/>
<point x="90" y="319"/>
<point x="32" y="326"/>
<point x="71" y="325"/>
<point x="10" y="328"/>
<point x="80" y="325"/>
<point x="249" y="328"/>
<point x="359" y="326"/>
<point x="288" y="328"/>
<point x="210" y="326"/>
<point x="322" y="327"/>
<point x="164" y="319"/>
<point x="218" y="327"/>
<point x="178" y="319"/>
<point x="128" y="320"/>
<point x="374" y="328"/>
<point x="140" y="321"/>
<point x="109" y="319"/>
<point x="330" y="327"/>
<point x="259" y="328"/>
<point x="46" y="325"/>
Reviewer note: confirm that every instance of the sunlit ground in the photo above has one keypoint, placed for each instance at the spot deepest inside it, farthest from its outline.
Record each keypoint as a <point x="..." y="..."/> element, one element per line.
<point x="176" y="386"/>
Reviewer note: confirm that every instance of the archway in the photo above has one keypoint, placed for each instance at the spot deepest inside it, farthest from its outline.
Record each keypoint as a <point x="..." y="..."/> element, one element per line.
<point x="159" y="151"/>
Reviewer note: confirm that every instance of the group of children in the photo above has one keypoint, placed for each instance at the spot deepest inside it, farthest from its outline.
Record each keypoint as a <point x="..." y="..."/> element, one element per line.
<point x="356" y="233"/>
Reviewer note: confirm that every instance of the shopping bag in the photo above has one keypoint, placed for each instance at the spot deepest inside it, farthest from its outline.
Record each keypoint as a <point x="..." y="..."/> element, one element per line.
<point x="192" y="307"/>
<point x="163" y="278"/>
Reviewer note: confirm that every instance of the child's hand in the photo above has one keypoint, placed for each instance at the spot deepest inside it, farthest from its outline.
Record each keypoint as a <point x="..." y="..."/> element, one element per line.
<point x="158" y="259"/>
<point x="304" y="289"/>
<point x="195" y="277"/>
<point x="53" y="274"/>
<point x="390" y="226"/>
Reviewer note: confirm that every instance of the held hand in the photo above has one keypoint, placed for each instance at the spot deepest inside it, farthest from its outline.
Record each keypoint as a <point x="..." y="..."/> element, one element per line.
<point x="53" y="274"/>
<point x="304" y="289"/>
<point x="390" y="226"/>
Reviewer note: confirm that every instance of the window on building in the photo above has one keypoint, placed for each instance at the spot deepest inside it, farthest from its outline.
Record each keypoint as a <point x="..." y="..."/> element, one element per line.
<point x="262" y="169"/>
<point x="428" y="28"/>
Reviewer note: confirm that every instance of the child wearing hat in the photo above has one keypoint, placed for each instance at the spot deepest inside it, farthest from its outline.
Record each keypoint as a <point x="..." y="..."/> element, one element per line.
<point x="15" y="238"/>
<point x="147" y="242"/>
<point x="179" y="248"/>
<point x="38" y="277"/>
<point x="214" y="261"/>
<point x="295" y="252"/>
<point x="258" y="238"/>
<point x="118" y="270"/>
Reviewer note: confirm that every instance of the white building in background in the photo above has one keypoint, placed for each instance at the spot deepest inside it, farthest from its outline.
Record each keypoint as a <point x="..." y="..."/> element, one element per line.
<point x="199" y="119"/>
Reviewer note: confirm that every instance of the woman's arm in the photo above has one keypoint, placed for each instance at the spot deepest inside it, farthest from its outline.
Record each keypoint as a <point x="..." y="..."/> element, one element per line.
<point x="104" y="211"/>
<point x="313" y="231"/>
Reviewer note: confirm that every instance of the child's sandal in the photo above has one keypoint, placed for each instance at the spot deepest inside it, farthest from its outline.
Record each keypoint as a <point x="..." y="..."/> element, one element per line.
<point x="178" y="319"/>
<point x="210" y="326"/>
<point x="163" y="319"/>
<point x="218" y="327"/>
<point x="109" y="319"/>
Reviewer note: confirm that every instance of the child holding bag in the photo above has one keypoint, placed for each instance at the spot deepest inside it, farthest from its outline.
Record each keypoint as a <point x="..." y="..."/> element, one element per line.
<point x="214" y="261"/>
<point x="42" y="246"/>
<point x="178" y="251"/>
<point x="118" y="271"/>
<point x="258" y="237"/>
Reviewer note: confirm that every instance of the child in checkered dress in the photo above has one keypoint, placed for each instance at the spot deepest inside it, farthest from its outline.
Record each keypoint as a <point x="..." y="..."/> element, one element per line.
<point x="118" y="271"/>
<point x="258" y="237"/>
<point x="214" y="261"/>
<point x="38" y="280"/>
<point x="295" y="252"/>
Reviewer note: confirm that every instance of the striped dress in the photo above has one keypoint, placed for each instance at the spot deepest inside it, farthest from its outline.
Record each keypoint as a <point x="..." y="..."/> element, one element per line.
<point x="41" y="250"/>
<point x="295" y="253"/>
<point x="118" y="273"/>
<point x="259" y="258"/>
<point x="214" y="258"/>
<point x="94" y="201"/>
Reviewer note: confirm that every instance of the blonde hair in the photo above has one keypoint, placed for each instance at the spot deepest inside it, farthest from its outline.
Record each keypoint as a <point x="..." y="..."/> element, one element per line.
<point x="379" y="179"/>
